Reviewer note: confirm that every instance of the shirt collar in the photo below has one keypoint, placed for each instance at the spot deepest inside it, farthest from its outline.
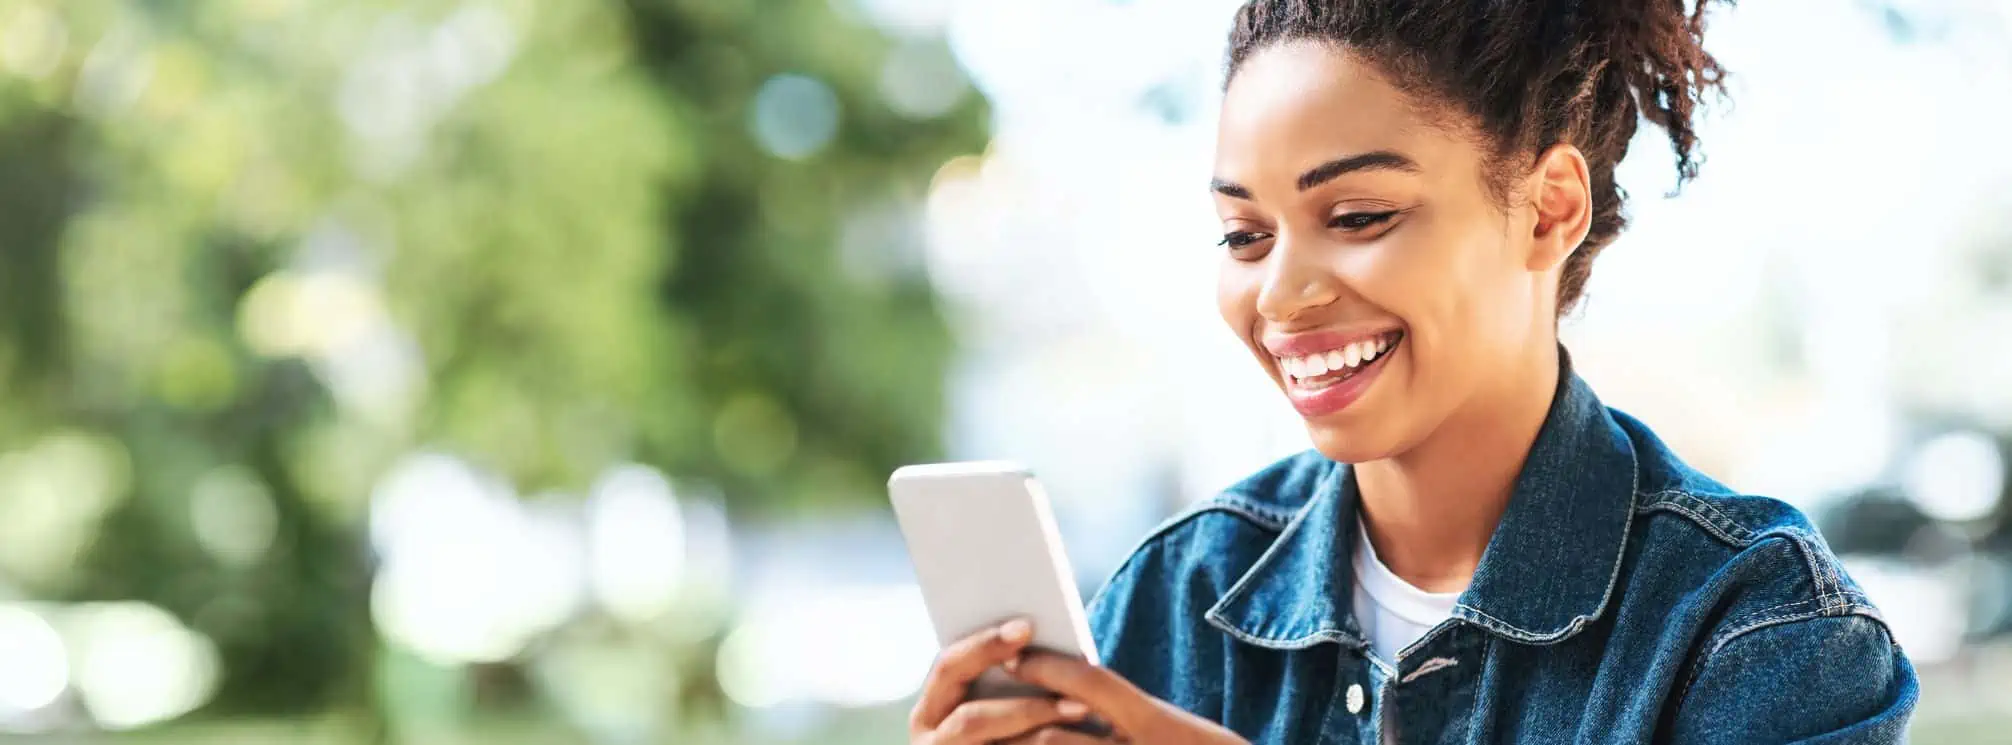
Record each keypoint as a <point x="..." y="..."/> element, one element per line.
<point x="1548" y="571"/>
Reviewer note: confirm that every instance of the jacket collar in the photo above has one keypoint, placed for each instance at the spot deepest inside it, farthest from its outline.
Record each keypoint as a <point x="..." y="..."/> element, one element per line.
<point x="1549" y="570"/>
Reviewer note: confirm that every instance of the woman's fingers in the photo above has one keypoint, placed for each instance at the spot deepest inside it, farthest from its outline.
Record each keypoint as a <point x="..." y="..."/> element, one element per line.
<point x="1054" y="736"/>
<point x="959" y="665"/>
<point x="1133" y="715"/>
<point x="993" y="720"/>
<point x="1104" y="691"/>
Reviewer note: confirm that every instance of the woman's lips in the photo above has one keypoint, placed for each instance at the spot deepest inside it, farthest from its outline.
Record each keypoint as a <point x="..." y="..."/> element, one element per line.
<point x="1326" y="381"/>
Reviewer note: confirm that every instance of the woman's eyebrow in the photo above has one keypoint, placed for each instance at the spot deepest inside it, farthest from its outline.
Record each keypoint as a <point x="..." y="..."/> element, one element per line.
<point x="1379" y="160"/>
<point x="1371" y="161"/>
<point x="1229" y="188"/>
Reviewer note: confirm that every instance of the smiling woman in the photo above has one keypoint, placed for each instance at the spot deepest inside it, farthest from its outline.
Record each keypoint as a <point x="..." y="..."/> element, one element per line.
<point x="1354" y="210"/>
<point x="1412" y="192"/>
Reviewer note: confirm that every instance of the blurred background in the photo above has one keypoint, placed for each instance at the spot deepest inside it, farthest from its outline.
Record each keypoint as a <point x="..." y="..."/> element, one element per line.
<point x="500" y="371"/>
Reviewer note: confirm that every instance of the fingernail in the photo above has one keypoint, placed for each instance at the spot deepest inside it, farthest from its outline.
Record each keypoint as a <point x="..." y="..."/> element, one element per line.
<point x="1012" y="665"/>
<point x="1071" y="709"/>
<point x="1017" y="630"/>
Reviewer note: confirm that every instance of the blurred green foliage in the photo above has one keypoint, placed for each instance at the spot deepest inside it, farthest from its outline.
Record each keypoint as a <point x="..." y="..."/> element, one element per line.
<point x="277" y="244"/>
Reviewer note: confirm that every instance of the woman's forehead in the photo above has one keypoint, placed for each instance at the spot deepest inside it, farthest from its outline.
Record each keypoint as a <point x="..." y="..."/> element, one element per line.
<point x="1298" y="104"/>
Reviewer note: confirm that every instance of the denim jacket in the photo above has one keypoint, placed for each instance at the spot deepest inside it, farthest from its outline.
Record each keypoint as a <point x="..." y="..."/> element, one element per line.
<point x="1624" y="598"/>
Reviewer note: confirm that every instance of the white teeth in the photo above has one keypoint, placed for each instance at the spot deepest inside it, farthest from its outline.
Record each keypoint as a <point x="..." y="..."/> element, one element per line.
<point x="1352" y="356"/>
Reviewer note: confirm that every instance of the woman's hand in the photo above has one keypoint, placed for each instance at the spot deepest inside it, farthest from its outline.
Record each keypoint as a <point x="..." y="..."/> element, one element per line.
<point x="1134" y="716"/>
<point x="943" y="717"/>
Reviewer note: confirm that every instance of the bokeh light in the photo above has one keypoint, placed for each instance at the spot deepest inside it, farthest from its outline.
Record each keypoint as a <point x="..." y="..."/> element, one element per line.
<point x="232" y="515"/>
<point x="1957" y="476"/>
<point x="842" y="646"/>
<point x="56" y="494"/>
<point x="637" y="534"/>
<point x="136" y="665"/>
<point x="921" y="80"/>
<point x="34" y="668"/>
<point x="291" y="314"/>
<point x="1924" y="609"/>
<point x="794" y="116"/>
<point x="32" y="40"/>
<point x="468" y="574"/>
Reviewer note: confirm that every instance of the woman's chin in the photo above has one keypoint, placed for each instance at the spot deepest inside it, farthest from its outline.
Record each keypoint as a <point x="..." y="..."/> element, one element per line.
<point x="1349" y="444"/>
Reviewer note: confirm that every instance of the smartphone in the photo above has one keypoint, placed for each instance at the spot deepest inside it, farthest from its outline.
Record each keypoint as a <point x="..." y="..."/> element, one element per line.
<point x="985" y="548"/>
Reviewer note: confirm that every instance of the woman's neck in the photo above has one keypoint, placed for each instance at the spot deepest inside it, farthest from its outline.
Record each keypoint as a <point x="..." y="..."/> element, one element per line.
<point x="1431" y="511"/>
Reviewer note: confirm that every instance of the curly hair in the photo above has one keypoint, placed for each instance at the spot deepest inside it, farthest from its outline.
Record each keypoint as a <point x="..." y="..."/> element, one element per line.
<point x="1526" y="74"/>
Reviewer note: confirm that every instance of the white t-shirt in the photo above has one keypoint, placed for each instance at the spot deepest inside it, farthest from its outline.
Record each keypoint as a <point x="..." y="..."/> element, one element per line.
<point x="1391" y="611"/>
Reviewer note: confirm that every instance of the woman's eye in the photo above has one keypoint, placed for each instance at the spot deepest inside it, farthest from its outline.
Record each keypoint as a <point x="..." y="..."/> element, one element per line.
<point x="1360" y="220"/>
<point x="1239" y="239"/>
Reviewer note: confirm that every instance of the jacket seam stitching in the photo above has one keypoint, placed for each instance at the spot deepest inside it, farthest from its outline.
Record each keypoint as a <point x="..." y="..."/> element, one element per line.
<point x="1579" y="622"/>
<point x="1828" y="587"/>
<point x="1701" y="521"/>
<point x="1237" y="502"/>
<point x="1225" y="502"/>
<point x="1520" y="634"/>
<point x="1627" y="530"/>
<point x="1821" y="569"/>
<point x="1761" y="619"/>
<point x="1322" y="634"/>
<point x="1719" y="523"/>
<point x="1766" y="618"/>
<point x="1832" y="569"/>
<point x="1487" y="660"/>
<point x="1824" y="577"/>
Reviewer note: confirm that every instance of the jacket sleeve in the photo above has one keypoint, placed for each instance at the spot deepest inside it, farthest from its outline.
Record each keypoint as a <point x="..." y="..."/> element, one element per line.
<point x="1833" y="680"/>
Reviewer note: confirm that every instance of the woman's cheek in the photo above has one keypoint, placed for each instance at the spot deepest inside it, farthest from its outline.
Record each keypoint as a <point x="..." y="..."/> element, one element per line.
<point x="1236" y="294"/>
<point x="1400" y="274"/>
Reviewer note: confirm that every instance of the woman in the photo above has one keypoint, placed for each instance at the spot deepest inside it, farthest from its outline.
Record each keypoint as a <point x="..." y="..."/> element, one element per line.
<point x="1412" y="193"/>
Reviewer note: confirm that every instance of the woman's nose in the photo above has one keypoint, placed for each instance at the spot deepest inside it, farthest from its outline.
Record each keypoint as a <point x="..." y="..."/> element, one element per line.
<point x="1297" y="279"/>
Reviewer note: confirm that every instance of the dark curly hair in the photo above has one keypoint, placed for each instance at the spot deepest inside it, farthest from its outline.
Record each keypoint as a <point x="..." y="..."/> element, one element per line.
<point x="1526" y="74"/>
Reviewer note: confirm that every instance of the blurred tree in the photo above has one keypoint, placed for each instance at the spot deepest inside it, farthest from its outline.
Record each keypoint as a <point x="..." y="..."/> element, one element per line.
<point x="253" y="251"/>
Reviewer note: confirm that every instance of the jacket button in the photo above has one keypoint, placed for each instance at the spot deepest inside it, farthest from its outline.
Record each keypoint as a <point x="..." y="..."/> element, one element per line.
<point x="1355" y="698"/>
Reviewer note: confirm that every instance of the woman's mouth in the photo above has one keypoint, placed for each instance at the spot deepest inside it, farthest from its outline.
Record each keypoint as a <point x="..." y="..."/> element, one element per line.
<point x="1327" y="381"/>
<point x="1312" y="372"/>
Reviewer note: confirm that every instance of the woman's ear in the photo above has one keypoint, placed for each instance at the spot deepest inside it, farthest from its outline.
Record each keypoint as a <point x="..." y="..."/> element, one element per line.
<point x="1562" y="194"/>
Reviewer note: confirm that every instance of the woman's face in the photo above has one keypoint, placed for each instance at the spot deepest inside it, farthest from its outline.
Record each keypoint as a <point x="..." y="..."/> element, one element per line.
<point x="1365" y="264"/>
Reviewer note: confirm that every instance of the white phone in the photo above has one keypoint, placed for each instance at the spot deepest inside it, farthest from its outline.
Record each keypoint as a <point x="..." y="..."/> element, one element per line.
<point x="985" y="548"/>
